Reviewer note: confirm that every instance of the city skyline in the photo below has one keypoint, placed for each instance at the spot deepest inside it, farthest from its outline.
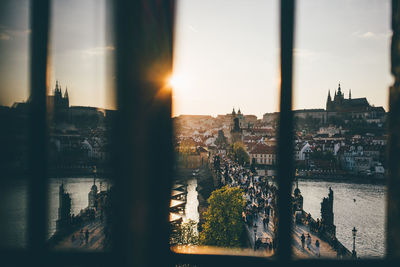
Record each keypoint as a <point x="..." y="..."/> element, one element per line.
<point x="226" y="54"/>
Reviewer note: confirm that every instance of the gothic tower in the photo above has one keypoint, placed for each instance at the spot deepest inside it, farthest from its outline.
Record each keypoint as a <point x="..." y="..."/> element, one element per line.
<point x="340" y="95"/>
<point x="66" y="98"/>
<point x="329" y="101"/>
<point x="64" y="209"/>
<point x="93" y="195"/>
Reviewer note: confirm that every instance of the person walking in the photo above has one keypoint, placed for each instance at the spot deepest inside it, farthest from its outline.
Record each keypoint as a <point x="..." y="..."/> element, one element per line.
<point x="266" y="222"/>
<point x="87" y="236"/>
<point x="303" y="240"/>
<point x="308" y="241"/>
<point x="81" y="237"/>
<point x="317" y="247"/>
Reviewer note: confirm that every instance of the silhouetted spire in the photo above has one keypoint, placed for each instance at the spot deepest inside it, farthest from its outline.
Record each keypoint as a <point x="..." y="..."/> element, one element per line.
<point x="66" y="92"/>
<point x="56" y="89"/>
<point x="349" y="93"/>
<point x="233" y="111"/>
<point x="329" y="95"/>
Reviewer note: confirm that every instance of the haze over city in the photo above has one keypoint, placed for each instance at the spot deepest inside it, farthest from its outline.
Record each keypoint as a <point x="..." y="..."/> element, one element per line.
<point x="226" y="54"/>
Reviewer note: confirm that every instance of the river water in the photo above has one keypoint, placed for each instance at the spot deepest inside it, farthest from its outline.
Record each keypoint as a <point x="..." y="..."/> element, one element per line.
<point x="192" y="202"/>
<point x="14" y="202"/>
<point x="367" y="213"/>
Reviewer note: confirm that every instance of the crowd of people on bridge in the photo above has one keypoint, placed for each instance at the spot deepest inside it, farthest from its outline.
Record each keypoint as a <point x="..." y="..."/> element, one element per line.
<point x="261" y="200"/>
<point x="260" y="197"/>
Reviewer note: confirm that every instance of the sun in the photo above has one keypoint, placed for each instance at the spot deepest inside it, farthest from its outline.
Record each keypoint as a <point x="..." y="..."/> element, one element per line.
<point x="176" y="81"/>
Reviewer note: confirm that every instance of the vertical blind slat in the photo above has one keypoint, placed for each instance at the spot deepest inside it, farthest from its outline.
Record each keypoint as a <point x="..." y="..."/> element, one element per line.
<point x="37" y="206"/>
<point x="285" y="133"/>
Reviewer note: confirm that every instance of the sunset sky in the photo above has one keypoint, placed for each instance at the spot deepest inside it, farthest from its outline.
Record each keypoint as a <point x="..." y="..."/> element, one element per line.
<point x="226" y="53"/>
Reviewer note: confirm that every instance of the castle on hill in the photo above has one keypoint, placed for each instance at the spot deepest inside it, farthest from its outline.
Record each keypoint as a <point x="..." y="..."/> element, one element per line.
<point x="341" y="104"/>
<point x="58" y="104"/>
<point x="58" y="101"/>
<point x="338" y="108"/>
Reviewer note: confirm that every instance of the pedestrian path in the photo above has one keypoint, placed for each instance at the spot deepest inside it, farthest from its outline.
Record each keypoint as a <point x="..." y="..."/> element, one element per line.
<point x="95" y="240"/>
<point x="326" y="250"/>
<point x="262" y="232"/>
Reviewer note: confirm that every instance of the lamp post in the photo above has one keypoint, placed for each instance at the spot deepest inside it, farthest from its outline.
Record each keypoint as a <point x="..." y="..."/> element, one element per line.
<point x="354" y="253"/>
<point x="255" y="235"/>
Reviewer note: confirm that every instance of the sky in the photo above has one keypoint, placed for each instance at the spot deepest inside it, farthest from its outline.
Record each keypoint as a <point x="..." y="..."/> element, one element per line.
<point x="80" y="52"/>
<point x="226" y="53"/>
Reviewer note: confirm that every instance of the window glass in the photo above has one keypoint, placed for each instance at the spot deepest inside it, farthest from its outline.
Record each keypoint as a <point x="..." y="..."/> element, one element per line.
<point x="225" y="101"/>
<point x="342" y="78"/>
<point x="14" y="121"/>
<point x="80" y="110"/>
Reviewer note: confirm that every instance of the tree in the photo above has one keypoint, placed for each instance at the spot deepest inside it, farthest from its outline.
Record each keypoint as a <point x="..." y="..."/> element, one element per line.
<point x="240" y="154"/>
<point x="223" y="219"/>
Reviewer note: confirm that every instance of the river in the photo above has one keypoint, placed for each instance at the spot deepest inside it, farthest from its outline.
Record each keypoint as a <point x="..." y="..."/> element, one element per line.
<point x="13" y="196"/>
<point x="192" y="201"/>
<point x="355" y="205"/>
<point x="367" y="213"/>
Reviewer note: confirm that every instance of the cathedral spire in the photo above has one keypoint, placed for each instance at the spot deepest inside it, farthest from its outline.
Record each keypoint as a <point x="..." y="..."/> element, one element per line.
<point x="56" y="89"/>
<point x="349" y="93"/>
<point x="328" y="101"/>
<point x="339" y="90"/>
<point x="66" y="92"/>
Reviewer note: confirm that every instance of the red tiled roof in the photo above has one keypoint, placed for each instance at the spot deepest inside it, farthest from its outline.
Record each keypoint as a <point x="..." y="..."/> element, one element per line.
<point x="263" y="149"/>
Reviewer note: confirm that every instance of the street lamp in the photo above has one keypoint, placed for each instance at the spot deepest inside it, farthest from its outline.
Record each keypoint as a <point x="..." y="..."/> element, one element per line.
<point x="354" y="253"/>
<point x="255" y="235"/>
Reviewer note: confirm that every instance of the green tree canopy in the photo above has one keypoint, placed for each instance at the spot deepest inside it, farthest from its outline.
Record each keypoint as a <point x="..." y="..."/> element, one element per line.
<point x="223" y="219"/>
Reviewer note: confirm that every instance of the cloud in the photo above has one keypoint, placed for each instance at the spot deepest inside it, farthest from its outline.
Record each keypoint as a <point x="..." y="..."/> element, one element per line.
<point x="307" y="54"/>
<point x="372" y="35"/>
<point x="97" y="51"/>
<point x="7" y="33"/>
<point x="193" y="29"/>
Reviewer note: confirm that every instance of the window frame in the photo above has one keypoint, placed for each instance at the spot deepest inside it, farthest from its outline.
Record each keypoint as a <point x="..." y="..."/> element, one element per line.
<point x="132" y="246"/>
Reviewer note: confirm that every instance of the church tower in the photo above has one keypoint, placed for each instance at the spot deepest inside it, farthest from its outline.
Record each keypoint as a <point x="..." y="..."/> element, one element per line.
<point x="93" y="195"/>
<point x="340" y="95"/>
<point x="64" y="209"/>
<point x="329" y="101"/>
<point x="66" y="98"/>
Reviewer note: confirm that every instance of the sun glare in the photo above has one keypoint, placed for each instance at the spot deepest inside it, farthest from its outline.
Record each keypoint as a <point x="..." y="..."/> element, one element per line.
<point x="176" y="81"/>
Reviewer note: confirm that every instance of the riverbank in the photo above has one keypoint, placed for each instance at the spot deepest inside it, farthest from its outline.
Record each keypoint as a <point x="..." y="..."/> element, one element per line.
<point x="347" y="179"/>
